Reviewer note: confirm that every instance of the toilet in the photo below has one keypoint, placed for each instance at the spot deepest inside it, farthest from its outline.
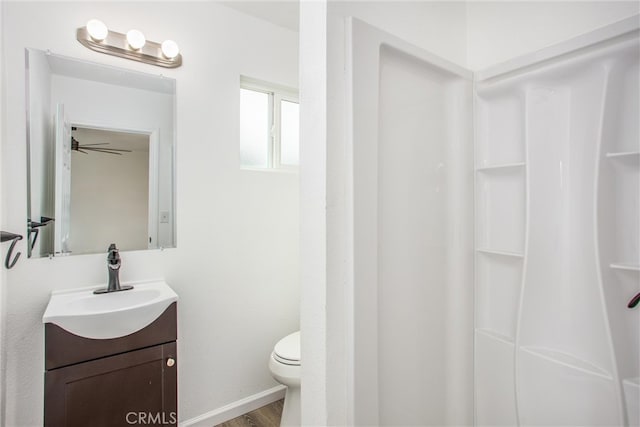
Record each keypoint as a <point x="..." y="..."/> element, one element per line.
<point x="284" y="365"/>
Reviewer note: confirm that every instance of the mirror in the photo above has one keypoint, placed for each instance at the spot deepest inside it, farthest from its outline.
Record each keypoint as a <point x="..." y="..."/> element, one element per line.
<point x="100" y="147"/>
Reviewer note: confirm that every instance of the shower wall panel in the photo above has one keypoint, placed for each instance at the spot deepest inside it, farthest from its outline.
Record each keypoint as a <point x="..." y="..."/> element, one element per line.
<point x="618" y="213"/>
<point x="500" y="217"/>
<point x="557" y="236"/>
<point x="413" y="190"/>
<point x="415" y="156"/>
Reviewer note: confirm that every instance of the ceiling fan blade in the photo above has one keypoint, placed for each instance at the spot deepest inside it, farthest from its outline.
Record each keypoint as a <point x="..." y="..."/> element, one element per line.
<point x="105" y="148"/>
<point x="97" y="143"/>
<point x="97" y="150"/>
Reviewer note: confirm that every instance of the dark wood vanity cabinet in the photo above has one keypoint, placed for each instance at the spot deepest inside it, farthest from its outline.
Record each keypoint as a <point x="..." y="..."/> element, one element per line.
<point x="124" y="381"/>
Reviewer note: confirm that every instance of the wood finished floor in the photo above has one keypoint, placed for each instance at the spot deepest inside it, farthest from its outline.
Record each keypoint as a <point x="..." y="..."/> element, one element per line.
<point x="267" y="416"/>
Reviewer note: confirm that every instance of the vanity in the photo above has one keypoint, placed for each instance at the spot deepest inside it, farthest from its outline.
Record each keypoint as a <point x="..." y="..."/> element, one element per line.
<point x="111" y="359"/>
<point x="100" y="155"/>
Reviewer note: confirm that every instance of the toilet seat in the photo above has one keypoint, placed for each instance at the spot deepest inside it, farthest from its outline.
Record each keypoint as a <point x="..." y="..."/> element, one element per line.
<point x="287" y="350"/>
<point x="284" y="365"/>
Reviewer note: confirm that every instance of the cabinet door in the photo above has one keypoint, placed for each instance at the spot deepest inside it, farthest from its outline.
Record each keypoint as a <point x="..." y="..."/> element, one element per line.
<point x="139" y="387"/>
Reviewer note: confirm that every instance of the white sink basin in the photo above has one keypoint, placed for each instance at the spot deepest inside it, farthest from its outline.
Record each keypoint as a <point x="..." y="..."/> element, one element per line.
<point x="110" y="315"/>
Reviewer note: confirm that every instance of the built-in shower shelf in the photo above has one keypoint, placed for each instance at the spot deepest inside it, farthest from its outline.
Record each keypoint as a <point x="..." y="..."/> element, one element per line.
<point x="567" y="360"/>
<point x="634" y="382"/>
<point x="624" y="154"/>
<point x="624" y="266"/>
<point x="500" y="253"/>
<point x="501" y="167"/>
<point x="495" y="335"/>
<point x="629" y="158"/>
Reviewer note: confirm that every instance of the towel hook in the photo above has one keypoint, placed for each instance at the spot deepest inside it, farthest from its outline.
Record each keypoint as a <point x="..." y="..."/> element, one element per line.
<point x="34" y="229"/>
<point x="5" y="236"/>
<point x="634" y="301"/>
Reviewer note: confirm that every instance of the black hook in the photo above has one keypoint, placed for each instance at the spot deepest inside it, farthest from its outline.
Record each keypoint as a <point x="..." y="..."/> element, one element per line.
<point x="34" y="228"/>
<point x="34" y="232"/>
<point x="634" y="301"/>
<point x="5" y="236"/>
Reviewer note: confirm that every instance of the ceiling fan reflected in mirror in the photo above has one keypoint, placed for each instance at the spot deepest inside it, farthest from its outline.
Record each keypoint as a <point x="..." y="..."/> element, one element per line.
<point x="95" y="147"/>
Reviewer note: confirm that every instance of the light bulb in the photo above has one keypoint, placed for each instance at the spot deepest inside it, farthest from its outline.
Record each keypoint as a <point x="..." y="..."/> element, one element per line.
<point x="135" y="39"/>
<point x="170" y="49"/>
<point x="97" y="30"/>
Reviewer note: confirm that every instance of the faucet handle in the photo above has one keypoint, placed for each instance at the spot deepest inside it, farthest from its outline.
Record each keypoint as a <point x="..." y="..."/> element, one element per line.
<point x="113" y="255"/>
<point x="113" y="267"/>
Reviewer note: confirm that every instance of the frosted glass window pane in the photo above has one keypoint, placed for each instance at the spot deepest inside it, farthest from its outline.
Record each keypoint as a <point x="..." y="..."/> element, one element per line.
<point x="254" y="128"/>
<point x="290" y="133"/>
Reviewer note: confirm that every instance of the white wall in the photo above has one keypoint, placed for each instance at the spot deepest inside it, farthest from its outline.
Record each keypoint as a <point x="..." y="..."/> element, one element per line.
<point x="109" y="201"/>
<point x="236" y="264"/>
<point x="3" y="207"/>
<point x="313" y="219"/>
<point x="498" y="31"/>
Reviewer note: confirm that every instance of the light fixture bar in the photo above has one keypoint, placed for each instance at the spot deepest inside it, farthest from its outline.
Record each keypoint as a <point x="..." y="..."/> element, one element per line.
<point x="116" y="44"/>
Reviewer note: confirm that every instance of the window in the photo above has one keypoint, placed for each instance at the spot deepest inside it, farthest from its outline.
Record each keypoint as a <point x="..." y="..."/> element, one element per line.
<point x="269" y="126"/>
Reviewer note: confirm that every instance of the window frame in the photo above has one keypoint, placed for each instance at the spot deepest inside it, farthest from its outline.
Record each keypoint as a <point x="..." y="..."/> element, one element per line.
<point x="277" y="94"/>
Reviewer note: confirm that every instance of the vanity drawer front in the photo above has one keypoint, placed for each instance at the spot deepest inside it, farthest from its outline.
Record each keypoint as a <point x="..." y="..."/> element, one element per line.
<point x="139" y="387"/>
<point x="63" y="348"/>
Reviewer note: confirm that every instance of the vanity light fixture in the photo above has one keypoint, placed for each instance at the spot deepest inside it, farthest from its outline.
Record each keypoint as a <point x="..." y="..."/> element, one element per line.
<point x="133" y="45"/>
<point x="170" y="49"/>
<point x="97" y="30"/>
<point x="135" y="39"/>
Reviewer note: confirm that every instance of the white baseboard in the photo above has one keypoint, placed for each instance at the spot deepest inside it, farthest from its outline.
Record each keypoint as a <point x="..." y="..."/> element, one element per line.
<point x="237" y="408"/>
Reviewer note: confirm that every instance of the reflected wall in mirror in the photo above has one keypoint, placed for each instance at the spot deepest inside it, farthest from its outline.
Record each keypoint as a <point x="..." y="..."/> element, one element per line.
<point x="109" y="170"/>
<point x="100" y="157"/>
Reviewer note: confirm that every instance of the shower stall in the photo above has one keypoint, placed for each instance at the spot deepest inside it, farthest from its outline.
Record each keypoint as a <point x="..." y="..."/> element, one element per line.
<point x="496" y="246"/>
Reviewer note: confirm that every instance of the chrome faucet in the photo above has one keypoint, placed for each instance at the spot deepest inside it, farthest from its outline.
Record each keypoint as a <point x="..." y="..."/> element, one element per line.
<point x="113" y="267"/>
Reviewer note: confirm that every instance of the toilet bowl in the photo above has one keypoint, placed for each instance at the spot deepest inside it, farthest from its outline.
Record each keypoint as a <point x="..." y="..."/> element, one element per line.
<point x="284" y="365"/>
